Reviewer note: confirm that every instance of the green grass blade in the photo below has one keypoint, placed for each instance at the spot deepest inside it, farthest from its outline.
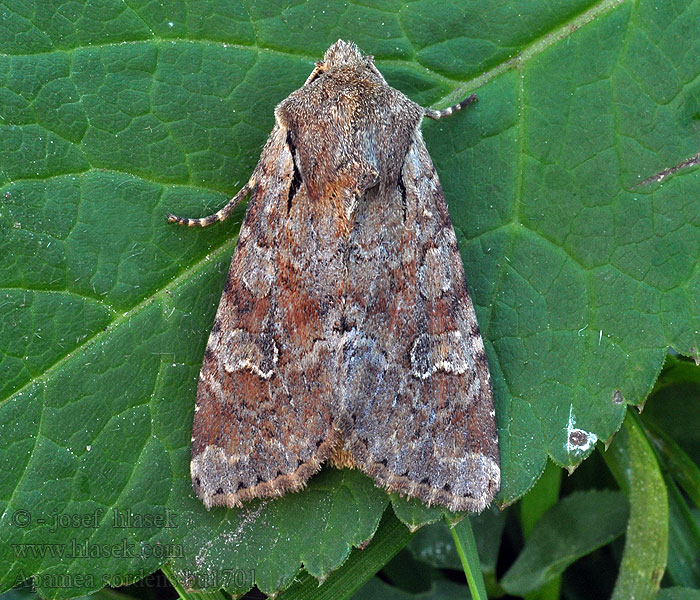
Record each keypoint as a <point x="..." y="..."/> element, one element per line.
<point x="633" y="463"/>
<point x="533" y="505"/>
<point x="466" y="548"/>
<point x="683" y="540"/>
<point x="540" y="498"/>
<point x="684" y="534"/>
<point x="675" y="460"/>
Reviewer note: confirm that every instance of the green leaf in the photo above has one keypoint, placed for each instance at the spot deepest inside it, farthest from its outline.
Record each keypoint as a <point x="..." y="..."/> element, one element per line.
<point x="572" y="528"/>
<point x="269" y="540"/>
<point x="391" y="536"/>
<point x="413" y="513"/>
<point x="185" y="594"/>
<point x="113" y="114"/>
<point x="26" y="592"/>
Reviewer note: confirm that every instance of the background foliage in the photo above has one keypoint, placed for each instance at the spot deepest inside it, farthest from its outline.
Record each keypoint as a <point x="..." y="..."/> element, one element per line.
<point x="574" y="193"/>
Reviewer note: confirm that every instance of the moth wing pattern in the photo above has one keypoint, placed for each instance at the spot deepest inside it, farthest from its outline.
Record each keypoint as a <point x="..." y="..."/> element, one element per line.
<point x="418" y="412"/>
<point x="262" y="423"/>
<point x="345" y="330"/>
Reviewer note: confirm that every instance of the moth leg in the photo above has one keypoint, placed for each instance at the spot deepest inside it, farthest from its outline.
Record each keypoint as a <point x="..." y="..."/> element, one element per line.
<point x="221" y="215"/>
<point x="446" y="112"/>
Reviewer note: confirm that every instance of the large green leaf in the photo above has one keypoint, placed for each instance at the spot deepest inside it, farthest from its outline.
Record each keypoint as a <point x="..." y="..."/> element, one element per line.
<point x="113" y="114"/>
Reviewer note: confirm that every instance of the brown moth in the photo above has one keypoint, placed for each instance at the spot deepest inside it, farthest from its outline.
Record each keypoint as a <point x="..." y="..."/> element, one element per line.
<point x="345" y="330"/>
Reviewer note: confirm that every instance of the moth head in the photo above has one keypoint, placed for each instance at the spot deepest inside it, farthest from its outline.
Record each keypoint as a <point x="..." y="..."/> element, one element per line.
<point x="343" y="54"/>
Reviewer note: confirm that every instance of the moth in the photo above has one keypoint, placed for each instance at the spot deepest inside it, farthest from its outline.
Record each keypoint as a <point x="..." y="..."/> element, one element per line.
<point x="345" y="330"/>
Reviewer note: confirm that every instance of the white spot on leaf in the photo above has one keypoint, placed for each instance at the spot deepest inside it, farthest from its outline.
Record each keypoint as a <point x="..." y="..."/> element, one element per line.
<point x="578" y="441"/>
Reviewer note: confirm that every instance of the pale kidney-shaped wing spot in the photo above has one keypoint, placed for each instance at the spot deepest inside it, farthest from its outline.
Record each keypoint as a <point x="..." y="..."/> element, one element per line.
<point x="446" y="352"/>
<point x="256" y="353"/>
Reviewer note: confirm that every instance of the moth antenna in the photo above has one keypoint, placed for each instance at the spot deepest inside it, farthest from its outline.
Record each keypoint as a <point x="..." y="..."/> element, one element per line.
<point x="446" y="112"/>
<point x="220" y="215"/>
